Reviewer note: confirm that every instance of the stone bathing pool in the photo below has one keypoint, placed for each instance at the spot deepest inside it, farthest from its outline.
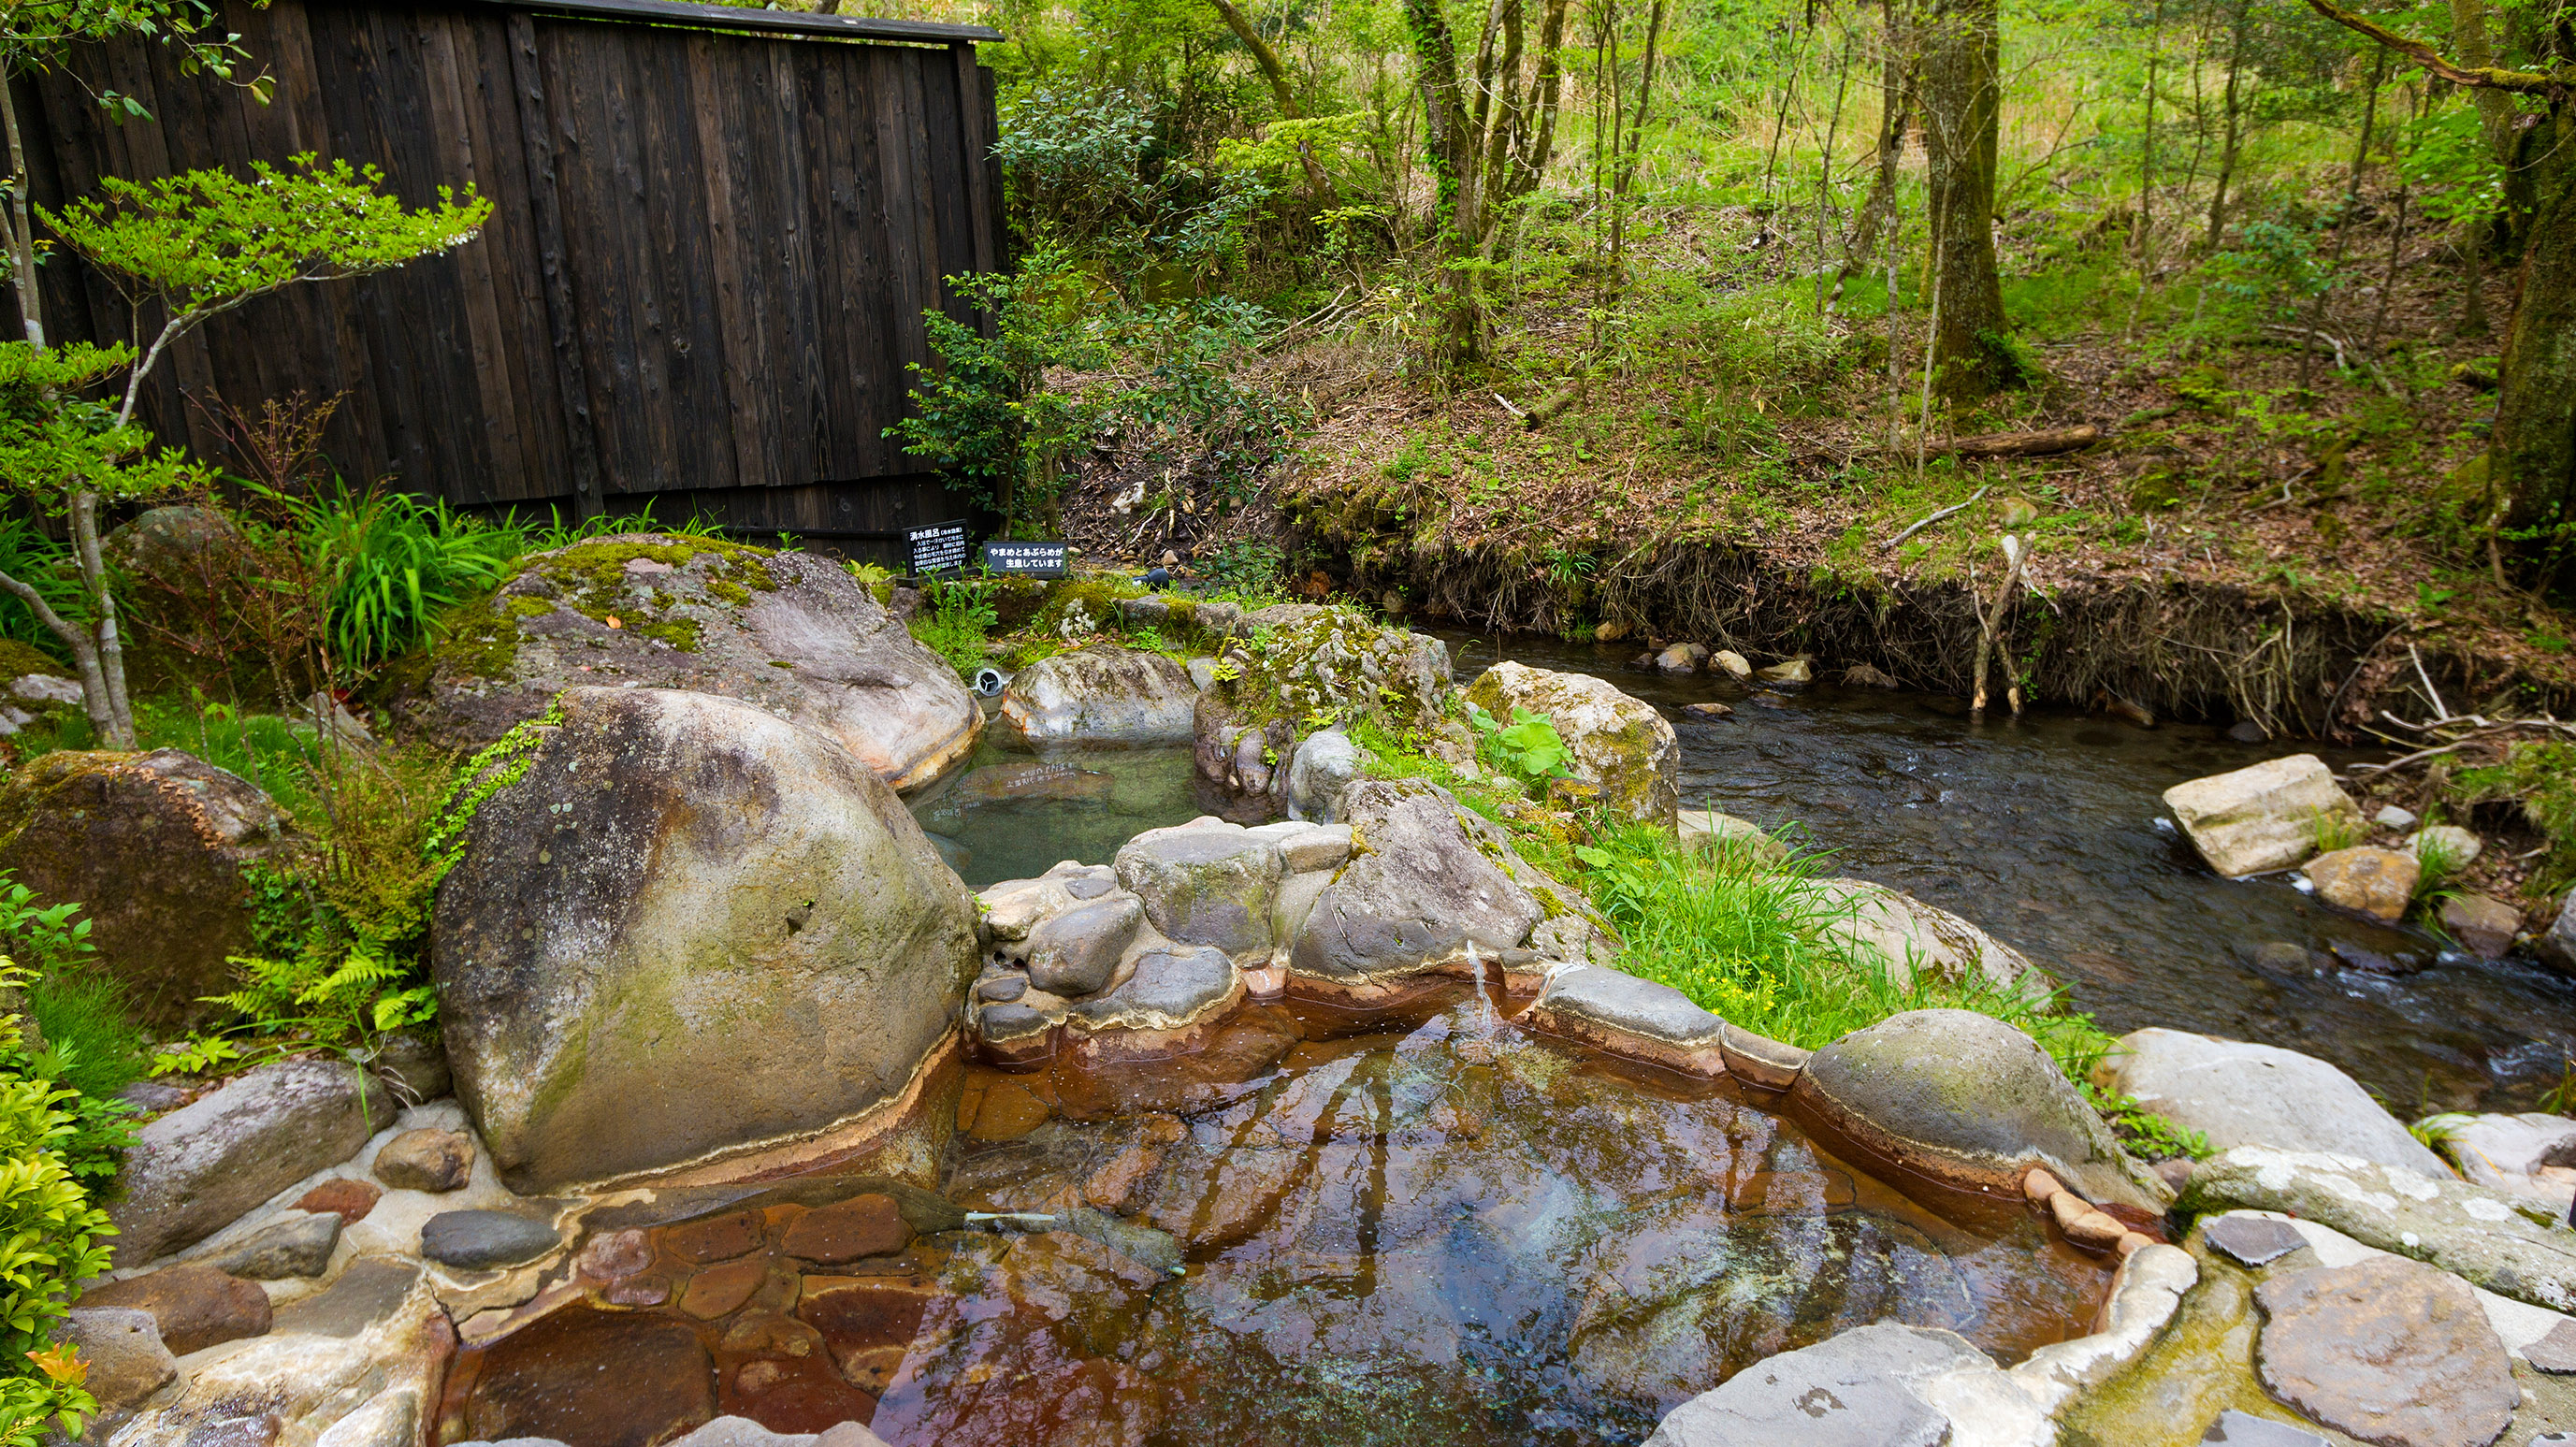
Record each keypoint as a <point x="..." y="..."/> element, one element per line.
<point x="1425" y="1227"/>
<point x="2041" y="830"/>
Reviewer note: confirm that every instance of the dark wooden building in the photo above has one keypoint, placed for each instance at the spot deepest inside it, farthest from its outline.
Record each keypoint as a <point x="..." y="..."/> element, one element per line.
<point x="714" y="234"/>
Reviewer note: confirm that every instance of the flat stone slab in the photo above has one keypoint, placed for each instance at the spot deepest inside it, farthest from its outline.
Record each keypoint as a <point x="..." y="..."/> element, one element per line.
<point x="2555" y="1352"/>
<point x="1873" y="1386"/>
<point x="2243" y="1429"/>
<point x="1623" y="1002"/>
<point x="478" y="1240"/>
<point x="365" y="1294"/>
<point x="2475" y="1234"/>
<point x="2243" y="1094"/>
<point x="2253" y="1240"/>
<point x="296" y="1244"/>
<point x="2388" y="1350"/>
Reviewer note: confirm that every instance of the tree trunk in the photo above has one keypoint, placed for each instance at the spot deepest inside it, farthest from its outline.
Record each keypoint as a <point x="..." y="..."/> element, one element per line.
<point x="2533" y="449"/>
<point x="1896" y="95"/>
<point x="1281" y="90"/>
<point x="21" y="239"/>
<point x="2232" y="137"/>
<point x="1961" y="98"/>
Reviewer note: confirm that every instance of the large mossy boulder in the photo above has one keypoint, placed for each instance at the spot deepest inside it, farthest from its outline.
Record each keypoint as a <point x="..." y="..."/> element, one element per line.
<point x="1965" y="1098"/>
<point x="1103" y="696"/>
<point x="1618" y="745"/>
<point x="688" y="925"/>
<point x="1304" y="668"/>
<point x="153" y="847"/>
<point x="792" y="633"/>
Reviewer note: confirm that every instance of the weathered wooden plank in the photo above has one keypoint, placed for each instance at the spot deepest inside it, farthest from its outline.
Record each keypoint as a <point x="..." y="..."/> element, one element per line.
<point x="787" y="22"/>
<point x="521" y="380"/>
<point x="545" y="214"/>
<point x="696" y="423"/>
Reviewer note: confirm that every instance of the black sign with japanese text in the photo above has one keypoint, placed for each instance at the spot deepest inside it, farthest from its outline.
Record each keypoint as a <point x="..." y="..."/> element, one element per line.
<point x="1025" y="560"/>
<point x="936" y="548"/>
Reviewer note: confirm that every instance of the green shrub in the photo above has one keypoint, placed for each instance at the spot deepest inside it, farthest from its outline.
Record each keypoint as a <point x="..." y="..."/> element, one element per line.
<point x="341" y="928"/>
<point x="2539" y="778"/>
<point x="51" y="1234"/>
<point x="1528" y="750"/>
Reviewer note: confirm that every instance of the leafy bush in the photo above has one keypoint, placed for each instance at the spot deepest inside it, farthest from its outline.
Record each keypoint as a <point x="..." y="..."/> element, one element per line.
<point x="1528" y="750"/>
<point x="51" y="1235"/>
<point x="55" y="1238"/>
<point x="984" y="413"/>
<point x="341" y="928"/>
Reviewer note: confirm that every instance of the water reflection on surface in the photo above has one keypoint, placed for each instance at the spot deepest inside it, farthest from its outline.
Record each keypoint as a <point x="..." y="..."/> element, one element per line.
<point x="1432" y="1230"/>
<point x="1014" y="816"/>
<point x="2043" y="831"/>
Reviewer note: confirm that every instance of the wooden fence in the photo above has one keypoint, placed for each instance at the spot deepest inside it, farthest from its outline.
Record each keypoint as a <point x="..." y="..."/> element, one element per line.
<point x="714" y="234"/>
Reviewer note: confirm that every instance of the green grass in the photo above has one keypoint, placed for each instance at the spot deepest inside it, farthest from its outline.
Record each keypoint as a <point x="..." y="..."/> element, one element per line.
<point x="1745" y="937"/>
<point x="83" y="1015"/>
<point x="1756" y="942"/>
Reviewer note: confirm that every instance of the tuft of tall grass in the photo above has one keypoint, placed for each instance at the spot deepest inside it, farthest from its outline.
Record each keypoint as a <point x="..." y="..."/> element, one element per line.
<point x="388" y="563"/>
<point x="1757" y="942"/>
<point x="87" y="1027"/>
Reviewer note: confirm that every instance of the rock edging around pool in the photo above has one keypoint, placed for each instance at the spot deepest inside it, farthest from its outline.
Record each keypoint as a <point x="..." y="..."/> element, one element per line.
<point x="1147" y="958"/>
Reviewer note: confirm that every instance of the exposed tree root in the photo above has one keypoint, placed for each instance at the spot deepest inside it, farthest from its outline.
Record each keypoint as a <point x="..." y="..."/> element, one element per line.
<point x="2183" y="650"/>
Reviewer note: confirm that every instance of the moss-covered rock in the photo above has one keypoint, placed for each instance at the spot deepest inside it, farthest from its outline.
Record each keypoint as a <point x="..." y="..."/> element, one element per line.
<point x="1298" y="668"/>
<point x="1963" y="1097"/>
<point x="690" y="925"/>
<point x="789" y="632"/>
<point x="153" y="847"/>
<point x="1619" y="745"/>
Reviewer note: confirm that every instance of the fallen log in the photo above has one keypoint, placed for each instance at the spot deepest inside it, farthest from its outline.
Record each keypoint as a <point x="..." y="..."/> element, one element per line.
<point x="2041" y="443"/>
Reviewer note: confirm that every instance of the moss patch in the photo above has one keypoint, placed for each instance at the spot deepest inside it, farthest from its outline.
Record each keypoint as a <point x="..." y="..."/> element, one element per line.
<point x="17" y="660"/>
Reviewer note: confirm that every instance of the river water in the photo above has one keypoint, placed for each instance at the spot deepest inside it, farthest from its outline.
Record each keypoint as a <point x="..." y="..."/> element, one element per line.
<point x="2044" y="830"/>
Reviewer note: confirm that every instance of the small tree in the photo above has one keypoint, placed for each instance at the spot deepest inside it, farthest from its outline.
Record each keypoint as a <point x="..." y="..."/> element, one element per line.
<point x="183" y="249"/>
<point x="35" y="35"/>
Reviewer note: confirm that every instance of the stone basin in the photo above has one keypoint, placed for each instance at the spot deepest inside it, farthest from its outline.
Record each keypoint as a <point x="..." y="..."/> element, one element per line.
<point x="1429" y="1226"/>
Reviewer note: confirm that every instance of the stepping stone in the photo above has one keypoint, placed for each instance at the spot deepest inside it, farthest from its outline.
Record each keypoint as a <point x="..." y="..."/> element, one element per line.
<point x="2253" y="1240"/>
<point x="2555" y="1352"/>
<point x="2240" y="1429"/>
<point x="296" y="1245"/>
<point x="2389" y="1350"/>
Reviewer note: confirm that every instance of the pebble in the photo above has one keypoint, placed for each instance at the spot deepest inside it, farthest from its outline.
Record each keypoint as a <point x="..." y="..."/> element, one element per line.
<point x="426" y="1160"/>
<point x="1002" y="989"/>
<point x="2392" y="817"/>
<point x="2040" y="1186"/>
<point x="348" y="1198"/>
<point x="1707" y="710"/>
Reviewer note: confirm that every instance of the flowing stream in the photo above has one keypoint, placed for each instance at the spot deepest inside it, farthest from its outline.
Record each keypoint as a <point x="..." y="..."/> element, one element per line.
<point x="2044" y="830"/>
